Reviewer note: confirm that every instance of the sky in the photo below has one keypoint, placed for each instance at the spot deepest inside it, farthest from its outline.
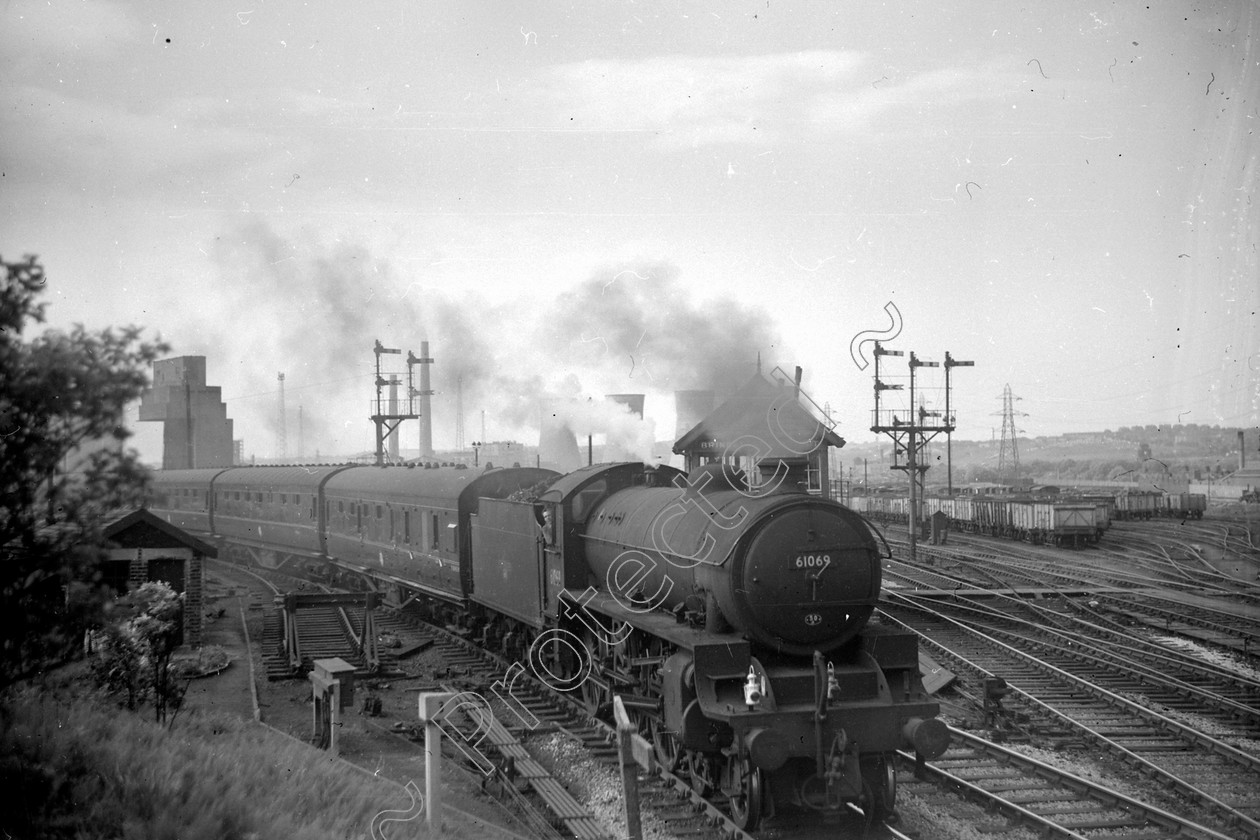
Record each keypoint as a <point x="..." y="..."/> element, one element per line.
<point x="568" y="200"/>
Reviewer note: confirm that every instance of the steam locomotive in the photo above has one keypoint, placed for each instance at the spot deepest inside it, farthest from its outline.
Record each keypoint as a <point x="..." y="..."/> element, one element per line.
<point x="734" y="626"/>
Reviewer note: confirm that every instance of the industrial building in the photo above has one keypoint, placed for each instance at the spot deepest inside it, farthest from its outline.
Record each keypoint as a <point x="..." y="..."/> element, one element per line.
<point x="196" y="428"/>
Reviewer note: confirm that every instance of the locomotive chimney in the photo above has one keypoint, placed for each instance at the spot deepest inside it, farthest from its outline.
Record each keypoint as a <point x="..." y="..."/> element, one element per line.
<point x="691" y="408"/>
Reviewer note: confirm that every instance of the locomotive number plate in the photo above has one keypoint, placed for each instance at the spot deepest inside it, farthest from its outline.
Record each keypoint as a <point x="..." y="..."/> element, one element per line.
<point x="814" y="561"/>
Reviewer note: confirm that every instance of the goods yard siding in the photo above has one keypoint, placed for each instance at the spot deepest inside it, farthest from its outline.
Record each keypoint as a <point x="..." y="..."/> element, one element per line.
<point x="1072" y="522"/>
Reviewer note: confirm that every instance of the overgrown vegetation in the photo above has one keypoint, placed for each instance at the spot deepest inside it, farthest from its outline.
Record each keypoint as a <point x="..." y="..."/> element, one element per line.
<point x="132" y="653"/>
<point x="62" y="397"/>
<point x="73" y="770"/>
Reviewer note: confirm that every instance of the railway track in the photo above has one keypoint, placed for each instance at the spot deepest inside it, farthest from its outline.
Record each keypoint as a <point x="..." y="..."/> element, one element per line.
<point x="1188" y="683"/>
<point x="1178" y="684"/>
<point x="1194" y="614"/>
<point x="1051" y="802"/>
<point x="1056" y="707"/>
<point x="668" y="801"/>
<point x="679" y="811"/>
<point x="665" y="797"/>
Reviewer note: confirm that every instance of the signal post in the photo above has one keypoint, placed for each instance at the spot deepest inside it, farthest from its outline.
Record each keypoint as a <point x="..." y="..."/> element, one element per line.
<point x="912" y="434"/>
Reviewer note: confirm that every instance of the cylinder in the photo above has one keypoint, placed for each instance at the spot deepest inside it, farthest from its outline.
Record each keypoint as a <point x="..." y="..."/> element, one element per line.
<point x="929" y="738"/>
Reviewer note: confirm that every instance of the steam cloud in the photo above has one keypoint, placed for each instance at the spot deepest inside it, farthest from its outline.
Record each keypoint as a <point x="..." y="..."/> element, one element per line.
<point x="640" y="315"/>
<point x="314" y="310"/>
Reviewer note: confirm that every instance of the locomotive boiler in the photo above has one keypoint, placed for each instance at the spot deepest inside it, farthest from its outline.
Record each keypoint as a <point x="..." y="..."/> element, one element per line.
<point x="787" y="571"/>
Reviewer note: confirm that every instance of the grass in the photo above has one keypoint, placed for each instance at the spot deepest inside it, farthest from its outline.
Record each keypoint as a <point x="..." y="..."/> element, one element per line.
<point x="76" y="769"/>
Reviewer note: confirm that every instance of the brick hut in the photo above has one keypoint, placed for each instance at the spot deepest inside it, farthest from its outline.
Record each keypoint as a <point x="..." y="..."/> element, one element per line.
<point x="144" y="548"/>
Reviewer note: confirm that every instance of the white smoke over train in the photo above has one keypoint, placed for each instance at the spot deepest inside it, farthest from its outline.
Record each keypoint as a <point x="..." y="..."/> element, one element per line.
<point x="314" y="309"/>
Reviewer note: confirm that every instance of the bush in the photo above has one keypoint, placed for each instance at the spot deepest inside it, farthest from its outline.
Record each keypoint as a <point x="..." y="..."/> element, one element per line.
<point x="74" y="770"/>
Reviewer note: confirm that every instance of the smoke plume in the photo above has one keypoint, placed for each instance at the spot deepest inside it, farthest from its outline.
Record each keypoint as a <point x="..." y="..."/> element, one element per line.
<point x="314" y="309"/>
<point x="640" y="316"/>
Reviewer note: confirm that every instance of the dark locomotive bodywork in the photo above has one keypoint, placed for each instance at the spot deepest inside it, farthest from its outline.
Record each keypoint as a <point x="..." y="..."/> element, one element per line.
<point x="788" y="571"/>
<point x="737" y="627"/>
<point x="758" y="607"/>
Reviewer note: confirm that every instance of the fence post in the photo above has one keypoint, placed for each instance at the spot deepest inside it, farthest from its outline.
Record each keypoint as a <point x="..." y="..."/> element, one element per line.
<point x="629" y="769"/>
<point x="430" y="713"/>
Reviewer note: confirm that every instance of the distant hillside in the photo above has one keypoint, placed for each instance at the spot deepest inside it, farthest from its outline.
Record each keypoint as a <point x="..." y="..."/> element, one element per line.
<point x="1189" y="451"/>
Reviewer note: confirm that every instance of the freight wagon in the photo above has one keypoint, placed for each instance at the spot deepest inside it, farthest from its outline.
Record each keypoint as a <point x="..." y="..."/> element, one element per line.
<point x="1061" y="523"/>
<point x="1183" y="505"/>
<point x="1138" y="504"/>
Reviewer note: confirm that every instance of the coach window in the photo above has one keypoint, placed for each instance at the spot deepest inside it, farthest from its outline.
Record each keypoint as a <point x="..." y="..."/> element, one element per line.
<point x="407" y="527"/>
<point x="436" y="532"/>
<point x="358" y="516"/>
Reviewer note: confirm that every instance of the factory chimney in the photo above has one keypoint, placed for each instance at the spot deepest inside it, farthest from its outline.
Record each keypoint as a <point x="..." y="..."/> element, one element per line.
<point x="691" y="408"/>
<point x="426" y="403"/>
<point x="1242" y="450"/>
<point x="282" y="445"/>
<point x="393" y="409"/>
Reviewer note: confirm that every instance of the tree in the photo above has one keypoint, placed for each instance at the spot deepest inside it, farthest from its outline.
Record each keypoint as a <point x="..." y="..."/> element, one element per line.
<point x="134" y="652"/>
<point x="61" y="394"/>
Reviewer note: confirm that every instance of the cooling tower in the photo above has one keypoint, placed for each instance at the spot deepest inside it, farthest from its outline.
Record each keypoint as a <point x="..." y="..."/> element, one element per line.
<point x="557" y="444"/>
